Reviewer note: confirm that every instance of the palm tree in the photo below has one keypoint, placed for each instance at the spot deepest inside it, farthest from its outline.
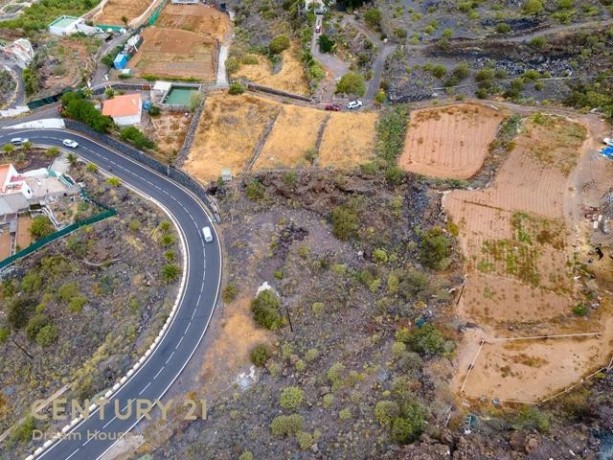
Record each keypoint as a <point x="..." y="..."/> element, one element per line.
<point x="109" y="92"/>
<point x="72" y="159"/>
<point x="8" y="149"/>
<point x="27" y="146"/>
<point x="88" y="93"/>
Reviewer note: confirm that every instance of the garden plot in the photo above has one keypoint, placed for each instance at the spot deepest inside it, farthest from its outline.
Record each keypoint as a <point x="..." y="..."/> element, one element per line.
<point x="521" y="269"/>
<point x="115" y="12"/>
<point x="201" y="19"/>
<point x="171" y="53"/>
<point x="449" y="142"/>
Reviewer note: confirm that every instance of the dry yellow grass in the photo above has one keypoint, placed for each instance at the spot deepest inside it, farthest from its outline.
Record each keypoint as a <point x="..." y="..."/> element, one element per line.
<point x="290" y="78"/>
<point x="295" y="132"/>
<point x="227" y="134"/>
<point x="349" y="139"/>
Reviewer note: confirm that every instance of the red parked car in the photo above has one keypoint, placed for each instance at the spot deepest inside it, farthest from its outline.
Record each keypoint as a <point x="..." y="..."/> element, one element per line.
<point x="333" y="108"/>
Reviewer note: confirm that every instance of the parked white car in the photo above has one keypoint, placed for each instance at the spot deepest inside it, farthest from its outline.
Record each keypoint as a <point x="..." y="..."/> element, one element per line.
<point x="19" y="140"/>
<point x="70" y="143"/>
<point x="354" y="105"/>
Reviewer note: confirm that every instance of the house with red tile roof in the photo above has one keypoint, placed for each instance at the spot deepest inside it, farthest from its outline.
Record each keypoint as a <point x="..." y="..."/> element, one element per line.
<point x="126" y="110"/>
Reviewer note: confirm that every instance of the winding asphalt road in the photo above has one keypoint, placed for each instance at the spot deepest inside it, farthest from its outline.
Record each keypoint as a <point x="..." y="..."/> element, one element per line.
<point x="94" y="436"/>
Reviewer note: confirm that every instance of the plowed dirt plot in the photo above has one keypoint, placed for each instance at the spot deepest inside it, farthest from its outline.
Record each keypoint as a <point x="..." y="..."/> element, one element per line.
<point x="171" y="53"/>
<point x="201" y="19"/>
<point x="295" y="131"/>
<point x="23" y="232"/>
<point x="169" y="131"/>
<point x="449" y="142"/>
<point x="349" y="139"/>
<point x="115" y="10"/>
<point x="227" y="134"/>
<point x="520" y="269"/>
<point x="290" y="78"/>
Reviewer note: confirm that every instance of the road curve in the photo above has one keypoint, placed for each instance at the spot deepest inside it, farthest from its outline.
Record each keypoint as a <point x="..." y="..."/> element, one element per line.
<point x="95" y="435"/>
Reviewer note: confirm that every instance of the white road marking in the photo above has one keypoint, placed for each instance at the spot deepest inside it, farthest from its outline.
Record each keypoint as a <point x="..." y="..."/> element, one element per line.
<point x="91" y="438"/>
<point x="159" y="372"/>
<point x="169" y="358"/>
<point x="180" y="340"/>
<point x="76" y="450"/>
<point x="143" y="390"/>
<point x="109" y="422"/>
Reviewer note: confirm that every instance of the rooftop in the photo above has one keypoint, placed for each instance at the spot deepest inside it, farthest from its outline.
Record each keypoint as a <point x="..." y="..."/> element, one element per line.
<point x="122" y="106"/>
<point x="63" y="21"/>
<point x="4" y="171"/>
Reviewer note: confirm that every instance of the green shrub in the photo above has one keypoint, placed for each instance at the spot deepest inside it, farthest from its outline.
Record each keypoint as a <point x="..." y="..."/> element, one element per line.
<point x="305" y="440"/>
<point x="41" y="227"/>
<point x="76" y="304"/>
<point x="533" y="6"/>
<point x="427" y="340"/>
<point x="279" y="44"/>
<point x="351" y="83"/>
<point x="20" y="311"/>
<point x="4" y="334"/>
<point x="259" y="354"/>
<point x="344" y="414"/>
<point x="435" y="249"/>
<point x="23" y="431"/>
<point x="345" y="223"/>
<point x="255" y="191"/>
<point x="236" y="88"/>
<point x="291" y="398"/>
<point x="503" y="28"/>
<point x="337" y="375"/>
<point x="326" y="44"/>
<point x="265" y="309"/>
<point x="311" y="355"/>
<point x="391" y="133"/>
<point x="531" y="418"/>
<point x="372" y="18"/>
<point x="285" y="425"/>
<point x="394" y="175"/>
<point x="386" y="412"/>
<point x="408" y="428"/>
<point x="75" y="106"/>
<point x="67" y="291"/>
<point x="47" y="335"/>
<point x="35" y="324"/>
<point x="32" y="282"/>
<point x="247" y="455"/>
<point x="170" y="273"/>
<point x="580" y="310"/>
<point x="136" y="137"/>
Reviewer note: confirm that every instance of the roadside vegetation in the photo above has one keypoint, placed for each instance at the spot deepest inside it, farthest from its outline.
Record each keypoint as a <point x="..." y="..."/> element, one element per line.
<point x="40" y="14"/>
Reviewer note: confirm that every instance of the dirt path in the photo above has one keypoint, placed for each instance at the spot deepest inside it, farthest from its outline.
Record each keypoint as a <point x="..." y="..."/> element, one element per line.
<point x="334" y="65"/>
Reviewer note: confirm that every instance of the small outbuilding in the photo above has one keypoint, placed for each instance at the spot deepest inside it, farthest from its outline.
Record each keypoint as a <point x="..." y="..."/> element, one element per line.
<point x="120" y="62"/>
<point x="126" y="110"/>
<point x="69" y="25"/>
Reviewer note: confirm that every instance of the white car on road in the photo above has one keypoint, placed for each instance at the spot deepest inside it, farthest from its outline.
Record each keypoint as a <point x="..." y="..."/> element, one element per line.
<point x="19" y="140"/>
<point x="354" y="105"/>
<point x="70" y="143"/>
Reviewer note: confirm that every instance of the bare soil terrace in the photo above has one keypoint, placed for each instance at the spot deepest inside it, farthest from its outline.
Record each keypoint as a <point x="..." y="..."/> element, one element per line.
<point x="201" y="19"/>
<point x="450" y="142"/>
<point x="172" y="53"/>
<point x="115" y="10"/>
<point x="524" y="273"/>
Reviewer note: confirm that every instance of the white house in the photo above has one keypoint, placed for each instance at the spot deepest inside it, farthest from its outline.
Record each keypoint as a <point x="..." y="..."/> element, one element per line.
<point x="12" y="182"/>
<point x="125" y="110"/>
<point x="68" y="25"/>
<point x="185" y="2"/>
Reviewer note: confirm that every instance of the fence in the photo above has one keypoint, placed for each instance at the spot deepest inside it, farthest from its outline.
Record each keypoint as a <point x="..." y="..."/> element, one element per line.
<point x="167" y="170"/>
<point x="156" y="14"/>
<point x="108" y="212"/>
<point x="276" y="92"/>
<point x="48" y="100"/>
